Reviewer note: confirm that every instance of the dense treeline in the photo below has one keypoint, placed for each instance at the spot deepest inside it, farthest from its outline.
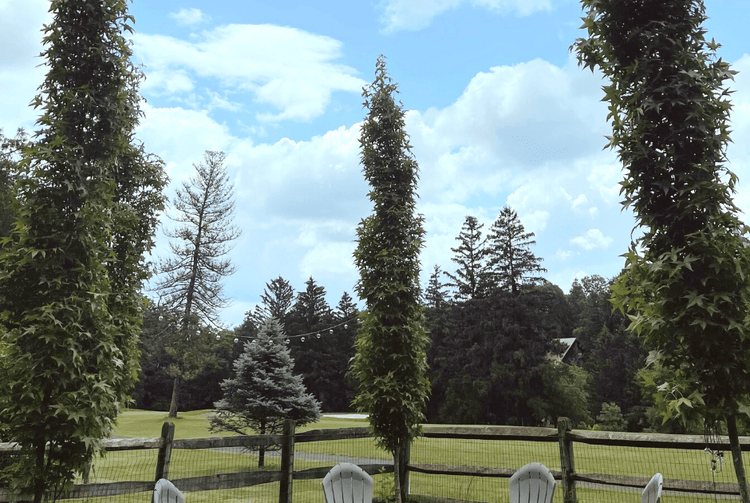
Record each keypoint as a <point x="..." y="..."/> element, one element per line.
<point x="495" y="326"/>
<point x="495" y="355"/>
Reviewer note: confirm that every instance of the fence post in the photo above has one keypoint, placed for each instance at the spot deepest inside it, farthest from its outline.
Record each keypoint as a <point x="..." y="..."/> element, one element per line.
<point x="287" y="462"/>
<point x="165" y="451"/>
<point x="567" y="463"/>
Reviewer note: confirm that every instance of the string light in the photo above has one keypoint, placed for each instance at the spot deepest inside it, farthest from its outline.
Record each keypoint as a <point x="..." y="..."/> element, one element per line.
<point x="302" y="337"/>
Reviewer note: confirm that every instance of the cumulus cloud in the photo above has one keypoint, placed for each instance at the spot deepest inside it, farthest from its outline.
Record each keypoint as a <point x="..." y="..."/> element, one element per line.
<point x="413" y="15"/>
<point x="592" y="239"/>
<point x="290" y="72"/>
<point x="189" y="17"/>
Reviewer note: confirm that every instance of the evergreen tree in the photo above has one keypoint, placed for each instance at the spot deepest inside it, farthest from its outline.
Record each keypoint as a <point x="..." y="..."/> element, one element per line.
<point x="434" y="295"/>
<point x="191" y="278"/>
<point x="316" y="354"/>
<point x="310" y="310"/>
<point x="264" y="391"/>
<point x="345" y="321"/>
<point x="71" y="274"/>
<point x="390" y="364"/>
<point x="276" y="300"/>
<point x="470" y="279"/>
<point x="511" y="262"/>
<point x="346" y="310"/>
<point x="686" y="279"/>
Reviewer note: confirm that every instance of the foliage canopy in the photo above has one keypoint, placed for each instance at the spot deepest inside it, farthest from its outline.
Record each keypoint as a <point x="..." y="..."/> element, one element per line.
<point x="72" y="269"/>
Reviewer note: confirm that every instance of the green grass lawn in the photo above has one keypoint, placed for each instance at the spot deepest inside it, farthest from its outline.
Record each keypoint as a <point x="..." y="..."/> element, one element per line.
<point x="140" y="465"/>
<point x="194" y="424"/>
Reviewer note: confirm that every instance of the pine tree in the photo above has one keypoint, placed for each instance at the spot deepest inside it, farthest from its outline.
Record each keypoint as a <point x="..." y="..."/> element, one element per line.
<point x="191" y="278"/>
<point x="470" y="280"/>
<point x="71" y="275"/>
<point x="390" y="364"/>
<point x="264" y="391"/>
<point x="510" y="260"/>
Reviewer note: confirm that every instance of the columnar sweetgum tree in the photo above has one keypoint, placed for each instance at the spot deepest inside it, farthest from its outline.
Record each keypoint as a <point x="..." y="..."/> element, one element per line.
<point x="685" y="281"/>
<point x="72" y="270"/>
<point x="390" y="364"/>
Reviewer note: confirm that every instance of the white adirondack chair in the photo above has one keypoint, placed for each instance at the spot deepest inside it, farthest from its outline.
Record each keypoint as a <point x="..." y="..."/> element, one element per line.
<point x="533" y="483"/>
<point x="347" y="483"/>
<point x="166" y="492"/>
<point x="652" y="491"/>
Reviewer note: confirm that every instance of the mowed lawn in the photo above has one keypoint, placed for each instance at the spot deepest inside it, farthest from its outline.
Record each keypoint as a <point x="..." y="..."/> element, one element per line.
<point x="639" y="462"/>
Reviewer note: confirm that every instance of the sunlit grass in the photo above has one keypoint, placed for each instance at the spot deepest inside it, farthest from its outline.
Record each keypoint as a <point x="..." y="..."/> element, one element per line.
<point x="627" y="461"/>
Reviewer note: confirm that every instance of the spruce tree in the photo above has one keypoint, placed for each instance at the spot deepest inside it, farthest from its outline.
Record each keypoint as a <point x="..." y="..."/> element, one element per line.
<point x="434" y="295"/>
<point x="470" y="280"/>
<point x="264" y="391"/>
<point x="71" y="273"/>
<point x="686" y="283"/>
<point x="315" y="353"/>
<point x="277" y="301"/>
<point x="390" y="364"/>
<point x="510" y="261"/>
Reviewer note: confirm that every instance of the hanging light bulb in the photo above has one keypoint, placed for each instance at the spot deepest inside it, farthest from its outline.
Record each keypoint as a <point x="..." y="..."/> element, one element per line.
<point x="236" y="340"/>
<point x="218" y="337"/>
<point x="346" y="325"/>
<point x="330" y="331"/>
<point x="302" y="339"/>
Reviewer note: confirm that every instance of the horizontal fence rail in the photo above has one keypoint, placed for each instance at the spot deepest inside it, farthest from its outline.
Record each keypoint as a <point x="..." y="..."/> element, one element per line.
<point x="318" y="450"/>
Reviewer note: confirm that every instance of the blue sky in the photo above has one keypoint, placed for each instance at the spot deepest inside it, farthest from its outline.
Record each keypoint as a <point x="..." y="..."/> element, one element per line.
<point x="499" y="114"/>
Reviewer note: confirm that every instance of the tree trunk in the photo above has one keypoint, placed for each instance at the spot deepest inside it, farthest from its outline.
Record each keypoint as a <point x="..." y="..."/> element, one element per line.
<point x="39" y="449"/>
<point x="261" y="456"/>
<point x="397" y="474"/>
<point x="175" y="398"/>
<point x="739" y="468"/>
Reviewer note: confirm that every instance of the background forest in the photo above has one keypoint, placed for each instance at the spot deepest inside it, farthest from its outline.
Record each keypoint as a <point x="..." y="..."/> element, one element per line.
<point x="498" y="332"/>
<point x="496" y="354"/>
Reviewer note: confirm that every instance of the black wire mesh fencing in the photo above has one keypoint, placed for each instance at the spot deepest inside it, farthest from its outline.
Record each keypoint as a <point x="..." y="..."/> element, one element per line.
<point x="447" y="464"/>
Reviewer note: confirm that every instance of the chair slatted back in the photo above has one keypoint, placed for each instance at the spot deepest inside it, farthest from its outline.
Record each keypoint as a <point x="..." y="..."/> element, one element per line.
<point x="166" y="492"/>
<point x="652" y="492"/>
<point x="347" y="483"/>
<point x="533" y="483"/>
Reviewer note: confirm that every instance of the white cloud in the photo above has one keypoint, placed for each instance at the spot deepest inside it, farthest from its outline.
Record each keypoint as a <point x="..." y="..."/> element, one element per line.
<point x="21" y="43"/>
<point x="563" y="255"/>
<point x="189" y="17"/>
<point x="289" y="71"/>
<point x="413" y="15"/>
<point x="592" y="239"/>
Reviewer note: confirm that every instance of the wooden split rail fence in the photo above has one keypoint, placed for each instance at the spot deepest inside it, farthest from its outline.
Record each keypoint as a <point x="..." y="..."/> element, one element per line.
<point x="563" y="436"/>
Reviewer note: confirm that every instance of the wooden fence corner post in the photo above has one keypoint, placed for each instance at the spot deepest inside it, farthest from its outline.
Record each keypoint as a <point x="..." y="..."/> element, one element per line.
<point x="165" y="451"/>
<point x="567" y="463"/>
<point x="287" y="462"/>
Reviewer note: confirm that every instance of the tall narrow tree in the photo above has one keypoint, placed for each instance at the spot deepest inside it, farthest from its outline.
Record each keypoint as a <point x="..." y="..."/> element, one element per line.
<point x="686" y="279"/>
<point x="390" y="364"/>
<point x="470" y="280"/>
<point x="192" y="277"/>
<point x="511" y="262"/>
<point x="71" y="272"/>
